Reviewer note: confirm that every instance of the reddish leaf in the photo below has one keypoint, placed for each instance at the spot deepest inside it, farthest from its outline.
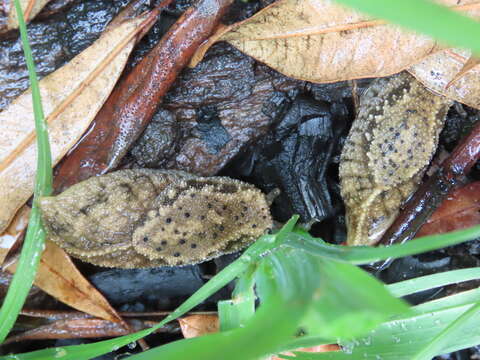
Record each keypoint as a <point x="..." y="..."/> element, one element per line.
<point x="460" y="210"/>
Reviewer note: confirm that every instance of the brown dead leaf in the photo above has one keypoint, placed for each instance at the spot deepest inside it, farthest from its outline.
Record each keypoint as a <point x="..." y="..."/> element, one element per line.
<point x="14" y="232"/>
<point x="198" y="325"/>
<point x="320" y="41"/>
<point x="72" y="329"/>
<point x="58" y="276"/>
<point x="313" y="349"/>
<point x="469" y="65"/>
<point x="460" y="210"/>
<point x="440" y="73"/>
<point x="71" y="97"/>
<point x="9" y="20"/>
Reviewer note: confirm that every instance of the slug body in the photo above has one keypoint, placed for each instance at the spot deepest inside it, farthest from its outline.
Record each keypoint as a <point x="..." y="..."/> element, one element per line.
<point x="147" y="218"/>
<point x="387" y="151"/>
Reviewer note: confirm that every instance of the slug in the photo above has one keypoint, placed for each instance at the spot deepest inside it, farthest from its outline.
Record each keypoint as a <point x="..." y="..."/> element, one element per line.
<point x="386" y="153"/>
<point x="148" y="218"/>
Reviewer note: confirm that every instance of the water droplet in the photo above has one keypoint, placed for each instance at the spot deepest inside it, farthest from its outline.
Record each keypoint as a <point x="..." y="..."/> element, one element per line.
<point x="347" y="348"/>
<point x="59" y="353"/>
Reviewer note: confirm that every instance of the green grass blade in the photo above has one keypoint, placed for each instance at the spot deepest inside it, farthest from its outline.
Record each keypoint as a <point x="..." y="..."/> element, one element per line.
<point x="286" y="288"/>
<point x="271" y="326"/>
<point x="252" y="254"/>
<point x="411" y="286"/>
<point x="346" y="309"/>
<point x="367" y="254"/>
<point x="425" y="17"/>
<point x="463" y="298"/>
<point x="35" y="237"/>
<point x="236" y="312"/>
<point x="402" y="339"/>
<point x="456" y="329"/>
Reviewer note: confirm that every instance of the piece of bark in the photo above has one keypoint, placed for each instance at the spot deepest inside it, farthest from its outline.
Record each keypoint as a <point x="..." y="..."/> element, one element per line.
<point x="134" y="100"/>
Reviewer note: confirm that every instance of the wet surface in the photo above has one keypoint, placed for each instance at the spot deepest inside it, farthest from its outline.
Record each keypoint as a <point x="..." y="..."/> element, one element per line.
<point x="223" y="105"/>
<point x="54" y="41"/>
<point x="233" y="116"/>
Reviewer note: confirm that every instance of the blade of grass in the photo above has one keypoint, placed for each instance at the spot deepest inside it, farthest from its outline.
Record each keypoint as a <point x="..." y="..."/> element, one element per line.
<point x="252" y="254"/>
<point x="456" y="329"/>
<point x="411" y="286"/>
<point x="234" y="313"/>
<point x="425" y="17"/>
<point x="35" y="237"/>
<point x="366" y="254"/>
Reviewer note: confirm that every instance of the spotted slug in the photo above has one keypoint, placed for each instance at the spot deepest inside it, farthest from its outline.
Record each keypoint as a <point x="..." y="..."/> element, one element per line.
<point x="148" y="218"/>
<point x="386" y="153"/>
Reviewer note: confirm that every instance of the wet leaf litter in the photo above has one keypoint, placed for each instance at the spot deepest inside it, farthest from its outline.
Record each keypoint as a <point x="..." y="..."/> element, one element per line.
<point x="303" y="121"/>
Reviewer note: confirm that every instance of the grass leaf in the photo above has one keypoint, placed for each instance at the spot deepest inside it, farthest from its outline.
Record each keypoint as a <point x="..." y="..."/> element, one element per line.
<point x="34" y="240"/>
<point x="368" y="254"/>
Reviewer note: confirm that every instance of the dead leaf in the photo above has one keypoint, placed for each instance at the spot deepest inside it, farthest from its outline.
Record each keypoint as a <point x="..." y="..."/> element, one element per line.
<point x="198" y="325"/>
<point x="313" y="349"/>
<point x="320" y="41"/>
<point x="72" y="329"/>
<point x="460" y="210"/>
<point x="135" y="98"/>
<point x="58" y="276"/>
<point x="13" y="232"/>
<point x="469" y="65"/>
<point x="71" y="97"/>
<point x="9" y="20"/>
<point x="438" y="71"/>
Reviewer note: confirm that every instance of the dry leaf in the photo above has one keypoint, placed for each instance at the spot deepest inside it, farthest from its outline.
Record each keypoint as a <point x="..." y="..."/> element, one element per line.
<point x="460" y="210"/>
<point x="71" y="97"/>
<point x="9" y="19"/>
<point x="58" y="276"/>
<point x="198" y="325"/>
<point x="14" y="232"/>
<point x="438" y="70"/>
<point x="71" y="329"/>
<point x="320" y="41"/>
<point x="313" y="349"/>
